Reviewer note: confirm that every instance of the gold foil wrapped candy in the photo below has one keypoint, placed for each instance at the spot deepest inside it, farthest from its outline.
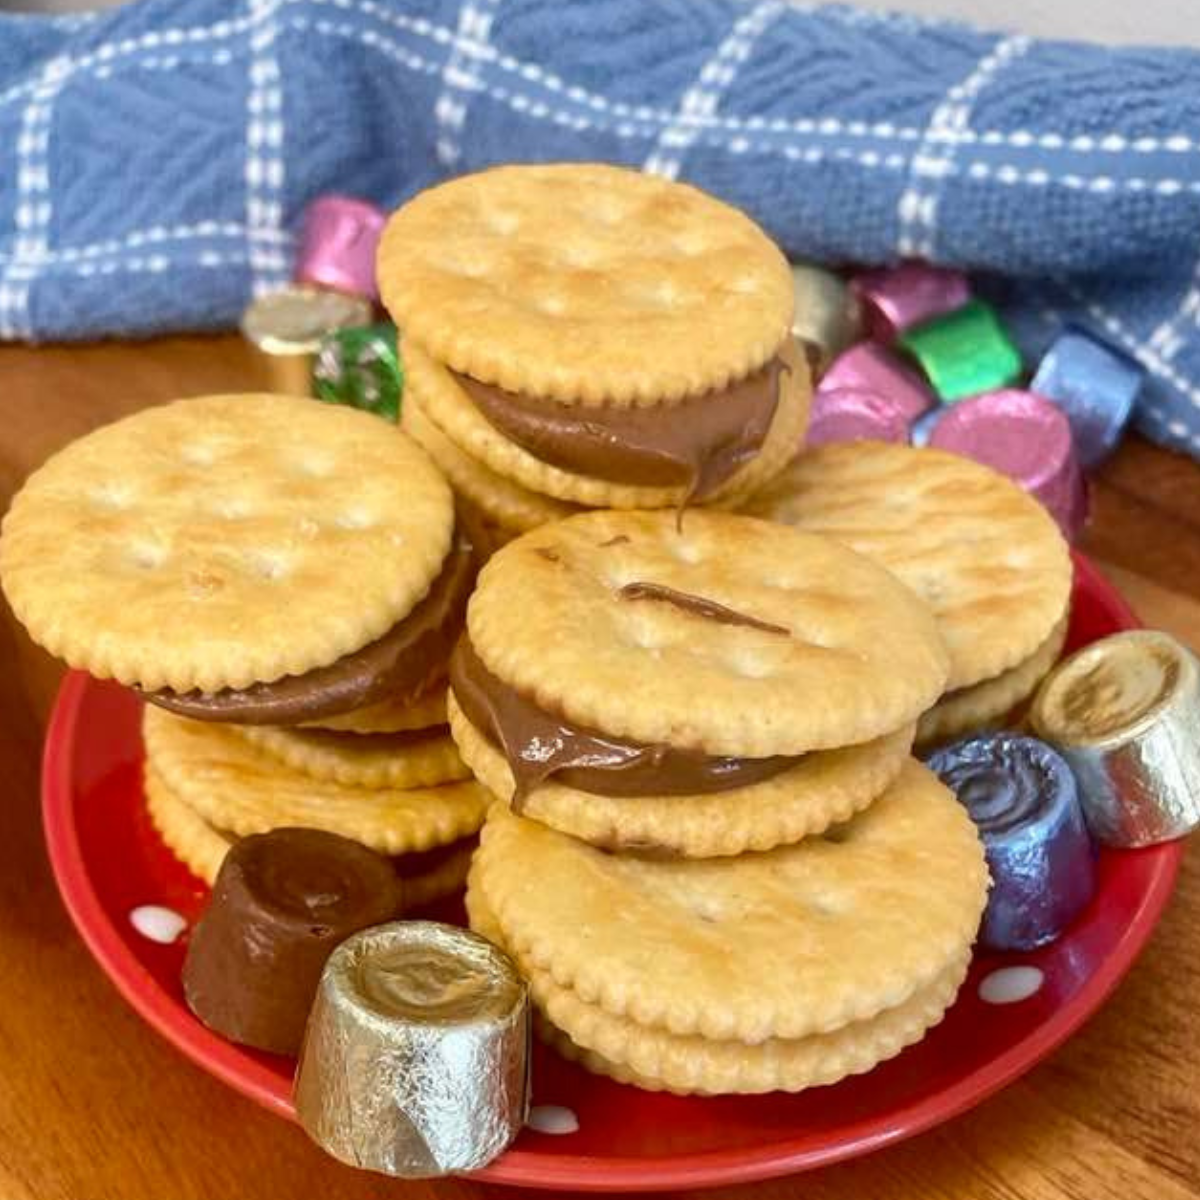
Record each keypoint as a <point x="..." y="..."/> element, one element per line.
<point x="1125" y="713"/>
<point x="286" y="327"/>
<point x="416" y="1058"/>
<point x="826" y="313"/>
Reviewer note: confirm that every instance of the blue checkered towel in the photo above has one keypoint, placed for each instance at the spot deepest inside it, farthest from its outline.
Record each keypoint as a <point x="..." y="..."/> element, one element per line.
<point x="154" y="159"/>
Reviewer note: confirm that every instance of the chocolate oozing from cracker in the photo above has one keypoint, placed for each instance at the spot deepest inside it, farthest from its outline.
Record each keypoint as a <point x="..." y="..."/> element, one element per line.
<point x="540" y="745"/>
<point x="697" y="444"/>
<point x="401" y="664"/>
<point x="283" y="901"/>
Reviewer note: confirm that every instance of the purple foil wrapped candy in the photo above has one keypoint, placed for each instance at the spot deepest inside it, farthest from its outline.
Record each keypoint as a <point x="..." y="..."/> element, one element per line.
<point x="867" y="367"/>
<point x="338" y="243"/>
<point x="1025" y="437"/>
<point x="1022" y="796"/>
<point x="896" y="298"/>
<point x="1095" y="385"/>
<point x="850" y="416"/>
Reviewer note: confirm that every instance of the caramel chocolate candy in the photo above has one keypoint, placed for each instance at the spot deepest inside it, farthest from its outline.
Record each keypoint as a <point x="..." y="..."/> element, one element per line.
<point x="416" y="1061"/>
<point x="1125" y="713"/>
<point x="281" y="904"/>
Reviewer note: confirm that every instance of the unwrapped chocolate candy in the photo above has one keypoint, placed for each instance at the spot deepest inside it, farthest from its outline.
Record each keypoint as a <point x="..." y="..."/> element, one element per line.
<point x="281" y="903"/>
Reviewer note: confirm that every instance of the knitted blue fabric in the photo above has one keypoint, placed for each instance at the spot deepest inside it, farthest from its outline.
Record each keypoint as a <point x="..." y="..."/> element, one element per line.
<point x="155" y="159"/>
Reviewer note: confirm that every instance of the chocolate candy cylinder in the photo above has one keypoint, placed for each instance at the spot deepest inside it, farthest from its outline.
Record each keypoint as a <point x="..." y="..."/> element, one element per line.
<point x="1095" y="385"/>
<point x="1028" y="439"/>
<point x="897" y="298"/>
<point x="1022" y="796"/>
<point x="281" y="903"/>
<point x="870" y="368"/>
<point x="286" y="326"/>
<point x="847" y="416"/>
<point x="416" y="1060"/>
<point x="826" y="312"/>
<point x="338" y="243"/>
<point x="1125" y="713"/>
<point x="964" y="352"/>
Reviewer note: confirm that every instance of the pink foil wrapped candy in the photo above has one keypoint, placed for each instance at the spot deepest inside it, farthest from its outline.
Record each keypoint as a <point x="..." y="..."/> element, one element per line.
<point x="1027" y="438"/>
<point x="895" y="298"/>
<point x="337" y="245"/>
<point x="867" y="367"/>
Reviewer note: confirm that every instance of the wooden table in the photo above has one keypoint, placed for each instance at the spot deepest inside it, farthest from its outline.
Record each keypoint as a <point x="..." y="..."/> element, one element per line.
<point x="95" y="1106"/>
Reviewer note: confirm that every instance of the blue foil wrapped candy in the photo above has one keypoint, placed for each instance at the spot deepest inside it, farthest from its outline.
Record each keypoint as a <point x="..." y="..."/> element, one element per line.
<point x="1095" y="386"/>
<point x="1022" y="796"/>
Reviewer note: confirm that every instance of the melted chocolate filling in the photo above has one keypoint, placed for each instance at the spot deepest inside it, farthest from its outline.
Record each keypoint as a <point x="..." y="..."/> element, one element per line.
<point x="540" y="745"/>
<point x="401" y="664"/>
<point x="696" y="444"/>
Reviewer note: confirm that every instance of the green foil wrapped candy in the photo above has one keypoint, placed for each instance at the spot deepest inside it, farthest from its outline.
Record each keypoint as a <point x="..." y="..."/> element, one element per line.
<point x="964" y="352"/>
<point x="360" y="367"/>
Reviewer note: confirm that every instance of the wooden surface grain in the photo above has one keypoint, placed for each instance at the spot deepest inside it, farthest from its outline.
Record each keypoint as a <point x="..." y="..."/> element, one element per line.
<point x="95" y="1106"/>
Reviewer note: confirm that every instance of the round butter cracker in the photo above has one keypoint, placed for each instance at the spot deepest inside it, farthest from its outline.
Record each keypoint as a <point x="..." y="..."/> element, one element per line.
<point x="662" y="1061"/>
<point x="187" y="835"/>
<point x="449" y="409"/>
<point x="983" y="704"/>
<point x="374" y="760"/>
<point x="986" y="557"/>
<point x="823" y="649"/>
<point x="823" y="788"/>
<point x="162" y="549"/>
<point x="798" y="941"/>
<point x="237" y="787"/>
<point x="585" y="282"/>
<point x="390" y="716"/>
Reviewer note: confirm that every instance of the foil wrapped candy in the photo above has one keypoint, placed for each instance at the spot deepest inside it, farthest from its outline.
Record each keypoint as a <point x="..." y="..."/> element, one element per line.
<point x="416" y="1060"/>
<point x="1024" y="801"/>
<point x="1125" y="713"/>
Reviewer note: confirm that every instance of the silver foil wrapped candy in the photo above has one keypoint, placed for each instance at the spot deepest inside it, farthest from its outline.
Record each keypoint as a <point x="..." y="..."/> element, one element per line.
<point x="416" y="1058"/>
<point x="1125" y="713"/>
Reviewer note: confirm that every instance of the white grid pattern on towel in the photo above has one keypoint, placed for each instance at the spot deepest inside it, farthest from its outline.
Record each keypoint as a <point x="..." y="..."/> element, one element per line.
<point x="33" y="203"/>
<point x="1134" y="346"/>
<point x="264" y="169"/>
<point x="716" y="77"/>
<point x="126" y="52"/>
<point x="273" y="237"/>
<point x="459" y="78"/>
<point x="933" y="161"/>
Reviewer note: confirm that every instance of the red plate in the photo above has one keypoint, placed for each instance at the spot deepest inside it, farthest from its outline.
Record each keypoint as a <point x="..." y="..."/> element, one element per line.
<point x="108" y="860"/>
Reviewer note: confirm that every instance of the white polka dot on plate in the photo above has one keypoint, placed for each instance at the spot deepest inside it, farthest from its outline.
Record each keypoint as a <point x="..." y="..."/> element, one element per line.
<point x="158" y="924"/>
<point x="1009" y="985"/>
<point x="552" y="1118"/>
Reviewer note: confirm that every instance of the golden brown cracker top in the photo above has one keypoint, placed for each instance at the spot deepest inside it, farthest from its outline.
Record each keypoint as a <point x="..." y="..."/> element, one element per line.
<point x="823" y="647"/>
<point x="223" y="541"/>
<point x="585" y="282"/>
<point x="984" y="555"/>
